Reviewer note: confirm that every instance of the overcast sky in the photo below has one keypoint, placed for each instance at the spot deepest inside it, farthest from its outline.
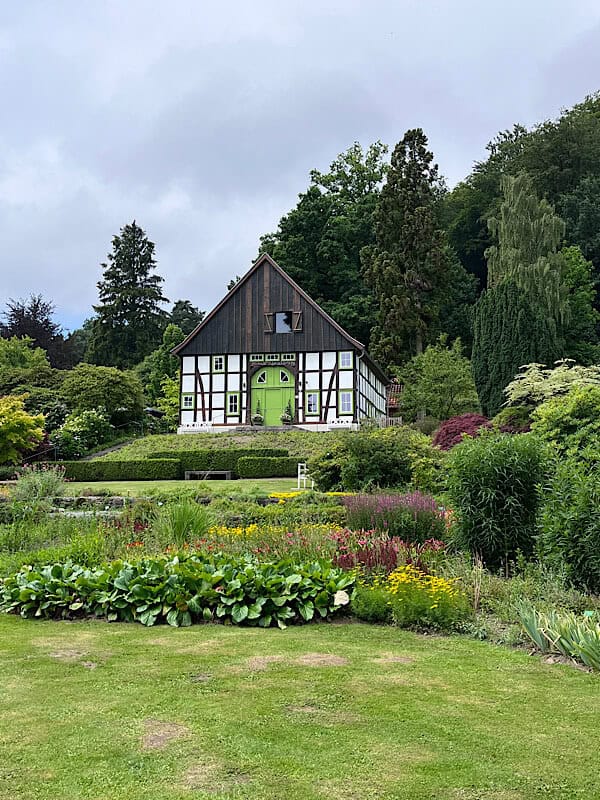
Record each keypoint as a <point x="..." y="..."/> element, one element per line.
<point x="202" y="120"/>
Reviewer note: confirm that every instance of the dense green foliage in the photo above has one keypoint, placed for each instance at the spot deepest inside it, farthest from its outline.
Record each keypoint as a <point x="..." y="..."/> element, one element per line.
<point x="563" y="160"/>
<point x="509" y="332"/>
<point x="160" y="364"/>
<point x="185" y="316"/>
<point x="118" y="393"/>
<point x="319" y="242"/>
<point x="150" y="469"/>
<point x="220" y="459"/>
<point x="492" y="484"/>
<point x="536" y="383"/>
<point x="181" y="591"/>
<point x="267" y="467"/>
<point x="407" y="266"/>
<point x="378" y="458"/>
<point x="570" y="524"/>
<point x="82" y="431"/>
<point x="19" y="431"/>
<point x="438" y="383"/>
<point x="571" y="423"/>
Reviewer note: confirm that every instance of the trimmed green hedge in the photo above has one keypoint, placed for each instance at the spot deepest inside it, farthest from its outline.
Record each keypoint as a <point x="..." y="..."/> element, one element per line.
<point x="219" y="459"/>
<point x="267" y="467"/>
<point x="156" y="469"/>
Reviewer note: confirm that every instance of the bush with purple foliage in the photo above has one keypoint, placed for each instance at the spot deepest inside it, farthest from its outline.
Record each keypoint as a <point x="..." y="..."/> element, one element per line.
<point x="412" y="517"/>
<point x="452" y="431"/>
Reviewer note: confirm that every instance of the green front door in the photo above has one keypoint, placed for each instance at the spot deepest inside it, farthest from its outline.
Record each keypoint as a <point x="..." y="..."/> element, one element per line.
<point x="273" y="389"/>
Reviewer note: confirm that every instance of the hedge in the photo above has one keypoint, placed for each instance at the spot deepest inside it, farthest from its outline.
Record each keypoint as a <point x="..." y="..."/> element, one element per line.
<point x="268" y="467"/>
<point x="156" y="469"/>
<point x="218" y="459"/>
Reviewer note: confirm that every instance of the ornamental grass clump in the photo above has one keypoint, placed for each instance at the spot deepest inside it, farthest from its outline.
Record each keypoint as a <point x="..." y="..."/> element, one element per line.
<point x="493" y="485"/>
<point x="178" y="524"/>
<point x="412" y="517"/>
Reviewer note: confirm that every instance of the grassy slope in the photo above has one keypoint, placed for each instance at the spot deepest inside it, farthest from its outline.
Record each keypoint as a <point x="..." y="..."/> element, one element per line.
<point x="300" y="443"/>
<point x="142" y="488"/>
<point x="455" y="719"/>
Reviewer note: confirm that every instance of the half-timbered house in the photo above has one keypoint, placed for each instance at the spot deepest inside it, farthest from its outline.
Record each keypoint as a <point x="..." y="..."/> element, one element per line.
<point x="269" y="355"/>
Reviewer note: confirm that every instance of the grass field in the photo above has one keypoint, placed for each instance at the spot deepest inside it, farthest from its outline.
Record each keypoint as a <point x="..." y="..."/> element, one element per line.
<point x="116" y="712"/>
<point x="142" y="488"/>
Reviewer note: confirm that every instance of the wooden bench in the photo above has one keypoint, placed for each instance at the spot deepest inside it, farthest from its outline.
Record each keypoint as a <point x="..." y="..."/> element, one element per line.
<point x="208" y="474"/>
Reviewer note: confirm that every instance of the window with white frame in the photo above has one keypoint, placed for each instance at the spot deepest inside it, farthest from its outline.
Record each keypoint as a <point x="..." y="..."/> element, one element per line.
<point x="346" y="360"/>
<point x="257" y="357"/>
<point x="284" y="377"/>
<point x="273" y="357"/>
<point x="262" y="378"/>
<point x="345" y="403"/>
<point x="218" y="363"/>
<point x="312" y="402"/>
<point x="288" y="356"/>
<point x="188" y="401"/>
<point x="233" y="404"/>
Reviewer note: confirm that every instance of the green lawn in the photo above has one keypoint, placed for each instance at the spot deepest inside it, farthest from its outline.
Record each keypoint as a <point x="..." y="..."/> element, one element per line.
<point x="91" y="710"/>
<point x="137" y="488"/>
<point x="297" y="442"/>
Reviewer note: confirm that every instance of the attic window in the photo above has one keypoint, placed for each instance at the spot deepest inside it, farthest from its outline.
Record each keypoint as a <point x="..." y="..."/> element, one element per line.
<point x="283" y="322"/>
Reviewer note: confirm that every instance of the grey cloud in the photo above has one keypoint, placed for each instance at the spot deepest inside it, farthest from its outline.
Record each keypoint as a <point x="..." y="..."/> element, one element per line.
<point x="203" y="122"/>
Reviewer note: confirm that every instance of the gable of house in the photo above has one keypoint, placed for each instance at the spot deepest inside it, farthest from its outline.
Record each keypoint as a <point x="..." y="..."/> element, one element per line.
<point x="249" y="319"/>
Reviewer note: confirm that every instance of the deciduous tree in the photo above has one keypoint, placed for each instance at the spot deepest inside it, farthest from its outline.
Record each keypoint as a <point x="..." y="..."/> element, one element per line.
<point x="20" y="432"/>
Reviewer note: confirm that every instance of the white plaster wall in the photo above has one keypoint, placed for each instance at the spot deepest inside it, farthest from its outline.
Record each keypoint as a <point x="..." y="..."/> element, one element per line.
<point x="329" y="360"/>
<point x="346" y="379"/>
<point x="188" y="383"/>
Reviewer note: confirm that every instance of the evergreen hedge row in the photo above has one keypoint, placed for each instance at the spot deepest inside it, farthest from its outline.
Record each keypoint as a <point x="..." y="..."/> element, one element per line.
<point x="155" y="469"/>
<point x="218" y="459"/>
<point x="267" y="467"/>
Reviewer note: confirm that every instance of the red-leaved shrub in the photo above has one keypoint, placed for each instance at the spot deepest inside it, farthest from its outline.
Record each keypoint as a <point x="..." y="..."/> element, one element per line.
<point x="451" y="431"/>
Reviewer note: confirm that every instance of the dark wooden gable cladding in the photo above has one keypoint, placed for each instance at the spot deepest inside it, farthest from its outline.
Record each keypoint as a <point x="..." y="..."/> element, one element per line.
<point x="244" y="322"/>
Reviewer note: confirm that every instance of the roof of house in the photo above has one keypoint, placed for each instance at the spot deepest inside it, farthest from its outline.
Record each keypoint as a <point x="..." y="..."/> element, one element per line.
<point x="252" y="291"/>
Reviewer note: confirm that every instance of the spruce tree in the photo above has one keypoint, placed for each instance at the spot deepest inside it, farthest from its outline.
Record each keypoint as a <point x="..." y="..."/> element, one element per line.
<point x="407" y="266"/>
<point x="130" y="319"/>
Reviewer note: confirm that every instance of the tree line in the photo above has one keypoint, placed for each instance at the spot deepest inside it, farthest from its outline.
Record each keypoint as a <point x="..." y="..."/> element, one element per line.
<point x="444" y="286"/>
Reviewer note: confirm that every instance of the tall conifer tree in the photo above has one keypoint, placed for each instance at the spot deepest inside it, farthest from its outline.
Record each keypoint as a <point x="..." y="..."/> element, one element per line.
<point x="130" y="319"/>
<point x="520" y="318"/>
<point x="407" y="266"/>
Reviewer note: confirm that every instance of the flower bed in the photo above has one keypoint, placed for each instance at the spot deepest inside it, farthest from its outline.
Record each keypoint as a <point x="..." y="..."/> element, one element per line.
<point x="181" y="591"/>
